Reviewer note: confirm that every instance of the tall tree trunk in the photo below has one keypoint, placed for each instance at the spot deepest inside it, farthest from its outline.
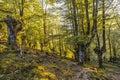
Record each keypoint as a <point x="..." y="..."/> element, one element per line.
<point x="88" y="28"/>
<point x="100" y="60"/>
<point x="44" y="6"/>
<point x="87" y="17"/>
<point x="75" y="27"/>
<point x="80" y="56"/>
<point x="114" y="50"/>
<point x="109" y="42"/>
<point x="87" y="55"/>
<point x="100" y="50"/>
<point x="82" y="18"/>
<point x="103" y="25"/>
<point x="60" y="46"/>
<point x="22" y="8"/>
<point x="11" y="26"/>
<point x="53" y="43"/>
<point x="41" y="45"/>
<point x="78" y="47"/>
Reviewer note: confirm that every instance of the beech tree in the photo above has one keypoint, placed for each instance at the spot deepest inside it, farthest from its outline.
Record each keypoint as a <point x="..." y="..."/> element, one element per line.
<point x="70" y="28"/>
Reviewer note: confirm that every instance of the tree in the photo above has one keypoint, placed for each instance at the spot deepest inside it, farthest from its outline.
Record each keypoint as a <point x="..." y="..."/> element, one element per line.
<point x="12" y="29"/>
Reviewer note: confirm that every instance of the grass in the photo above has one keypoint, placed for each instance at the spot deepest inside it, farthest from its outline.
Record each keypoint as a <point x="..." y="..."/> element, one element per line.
<point x="48" y="67"/>
<point x="31" y="67"/>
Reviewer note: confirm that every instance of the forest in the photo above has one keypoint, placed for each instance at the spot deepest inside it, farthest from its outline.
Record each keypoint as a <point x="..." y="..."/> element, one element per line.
<point x="59" y="39"/>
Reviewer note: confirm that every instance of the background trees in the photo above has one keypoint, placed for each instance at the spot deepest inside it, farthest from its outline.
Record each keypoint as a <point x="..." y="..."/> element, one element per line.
<point x="69" y="28"/>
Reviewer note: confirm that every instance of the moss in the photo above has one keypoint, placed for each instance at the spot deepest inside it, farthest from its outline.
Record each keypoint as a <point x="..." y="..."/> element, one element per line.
<point x="34" y="67"/>
<point x="96" y="76"/>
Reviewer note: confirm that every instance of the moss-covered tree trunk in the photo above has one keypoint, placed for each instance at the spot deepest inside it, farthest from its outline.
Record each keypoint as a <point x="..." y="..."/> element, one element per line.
<point x="11" y="26"/>
<point x="99" y="50"/>
<point x="12" y="29"/>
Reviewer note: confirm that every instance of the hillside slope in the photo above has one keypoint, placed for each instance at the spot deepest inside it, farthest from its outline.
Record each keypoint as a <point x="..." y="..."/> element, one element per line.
<point x="47" y="67"/>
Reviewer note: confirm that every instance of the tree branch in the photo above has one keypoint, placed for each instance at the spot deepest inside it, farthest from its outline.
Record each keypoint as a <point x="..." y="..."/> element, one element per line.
<point x="6" y="11"/>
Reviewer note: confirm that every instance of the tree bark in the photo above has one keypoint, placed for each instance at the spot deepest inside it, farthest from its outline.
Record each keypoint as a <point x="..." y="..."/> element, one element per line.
<point x="44" y="6"/>
<point x="80" y="57"/>
<point x="78" y="47"/>
<point x="100" y="60"/>
<point x="87" y="17"/>
<point x="103" y="25"/>
<point x="100" y="50"/>
<point x="109" y="42"/>
<point x="114" y="50"/>
<point x="12" y="29"/>
<point x="22" y="8"/>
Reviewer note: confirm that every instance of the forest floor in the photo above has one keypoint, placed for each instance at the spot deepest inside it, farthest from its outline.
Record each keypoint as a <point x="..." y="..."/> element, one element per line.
<point x="51" y="67"/>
